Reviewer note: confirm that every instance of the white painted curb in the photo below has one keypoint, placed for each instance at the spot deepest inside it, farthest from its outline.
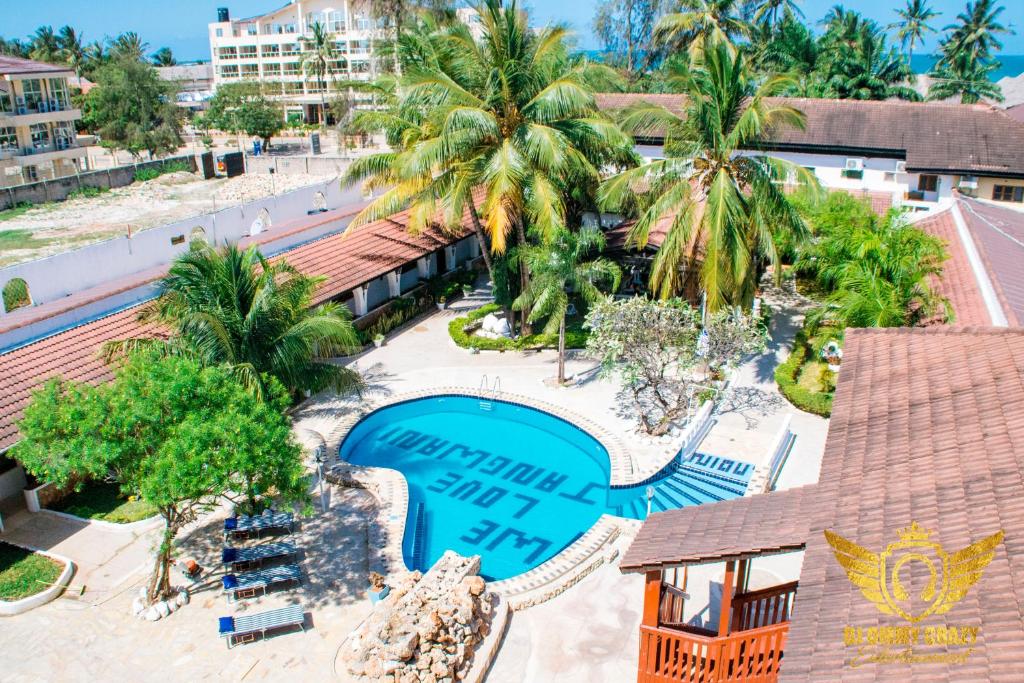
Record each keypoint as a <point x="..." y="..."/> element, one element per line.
<point x="10" y="608"/>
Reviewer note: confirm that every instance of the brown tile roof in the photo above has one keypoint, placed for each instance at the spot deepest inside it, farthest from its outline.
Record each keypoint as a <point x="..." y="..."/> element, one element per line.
<point x="347" y="260"/>
<point x="998" y="233"/>
<point x="17" y="65"/>
<point x="731" y="530"/>
<point x="933" y="136"/>
<point x="928" y="426"/>
<point x="958" y="282"/>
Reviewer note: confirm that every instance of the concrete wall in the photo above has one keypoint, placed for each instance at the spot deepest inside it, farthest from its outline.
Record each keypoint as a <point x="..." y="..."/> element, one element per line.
<point x="62" y="274"/>
<point x="318" y="165"/>
<point x="987" y="185"/>
<point x="12" y="482"/>
<point x="59" y="188"/>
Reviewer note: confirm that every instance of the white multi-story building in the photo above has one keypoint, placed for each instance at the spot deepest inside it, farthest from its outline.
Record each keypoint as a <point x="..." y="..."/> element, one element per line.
<point x="37" y="122"/>
<point x="268" y="48"/>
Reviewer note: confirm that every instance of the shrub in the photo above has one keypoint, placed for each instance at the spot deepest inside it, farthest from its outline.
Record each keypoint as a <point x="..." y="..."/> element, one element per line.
<point x="575" y="335"/>
<point x="786" y="377"/>
<point x="88" y="192"/>
<point x="144" y="174"/>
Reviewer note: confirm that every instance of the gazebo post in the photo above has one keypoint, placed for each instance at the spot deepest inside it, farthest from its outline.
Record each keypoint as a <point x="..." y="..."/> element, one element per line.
<point x="725" y="615"/>
<point x="652" y="598"/>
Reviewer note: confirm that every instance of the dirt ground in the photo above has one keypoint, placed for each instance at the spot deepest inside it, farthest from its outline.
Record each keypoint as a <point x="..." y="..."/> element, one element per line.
<point x="54" y="227"/>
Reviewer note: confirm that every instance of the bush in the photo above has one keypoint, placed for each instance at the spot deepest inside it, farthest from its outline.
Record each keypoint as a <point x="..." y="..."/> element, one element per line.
<point x="144" y="174"/>
<point x="575" y="335"/>
<point x="88" y="192"/>
<point x="402" y="310"/>
<point x="786" y="377"/>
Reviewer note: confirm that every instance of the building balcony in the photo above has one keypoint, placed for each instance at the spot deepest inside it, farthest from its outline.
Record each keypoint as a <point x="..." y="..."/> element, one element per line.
<point x="748" y="646"/>
<point x="28" y="117"/>
<point x="32" y="156"/>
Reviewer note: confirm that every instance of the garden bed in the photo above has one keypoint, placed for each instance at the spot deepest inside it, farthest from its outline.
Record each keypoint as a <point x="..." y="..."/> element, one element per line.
<point x="103" y="501"/>
<point x="460" y="330"/>
<point x="804" y="378"/>
<point x="24" y="573"/>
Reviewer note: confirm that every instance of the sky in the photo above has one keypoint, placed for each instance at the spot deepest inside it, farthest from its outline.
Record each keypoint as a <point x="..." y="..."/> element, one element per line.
<point x="181" y="24"/>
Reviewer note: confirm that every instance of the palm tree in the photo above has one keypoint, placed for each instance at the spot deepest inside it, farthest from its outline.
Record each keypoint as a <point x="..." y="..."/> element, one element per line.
<point x="773" y="12"/>
<point x="732" y="204"/>
<point x="96" y="55"/>
<point x="71" y="49"/>
<point x="512" y="118"/>
<point x="235" y="308"/>
<point x="702" y="22"/>
<point x="559" y="266"/>
<point x="965" y="77"/>
<point x="913" y="25"/>
<point x="129" y="46"/>
<point x="164" y="57"/>
<point x="975" y="31"/>
<point x="862" y="66"/>
<point x="318" y="53"/>
<point x="45" y="47"/>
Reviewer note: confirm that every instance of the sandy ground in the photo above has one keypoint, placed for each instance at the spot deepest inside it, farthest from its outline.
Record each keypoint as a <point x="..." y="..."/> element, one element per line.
<point x="59" y="226"/>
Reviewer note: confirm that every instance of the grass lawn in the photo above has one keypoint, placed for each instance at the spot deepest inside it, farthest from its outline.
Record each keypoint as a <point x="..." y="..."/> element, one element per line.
<point x="813" y="376"/>
<point x="20" y="239"/>
<point x="24" y="573"/>
<point x="15" y="211"/>
<point x="103" y="501"/>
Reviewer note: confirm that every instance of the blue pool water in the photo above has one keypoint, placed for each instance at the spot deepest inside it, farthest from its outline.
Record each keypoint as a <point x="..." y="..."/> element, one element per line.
<point x="512" y="484"/>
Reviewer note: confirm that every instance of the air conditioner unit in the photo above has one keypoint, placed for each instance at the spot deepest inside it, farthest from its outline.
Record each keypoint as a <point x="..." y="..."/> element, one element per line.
<point x="854" y="164"/>
<point x="969" y="182"/>
<point x="901" y="167"/>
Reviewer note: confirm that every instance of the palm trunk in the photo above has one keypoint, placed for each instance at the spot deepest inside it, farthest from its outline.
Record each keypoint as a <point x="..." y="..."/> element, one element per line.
<point x="561" y="351"/>
<point x="481" y="238"/>
<point x="524" y="278"/>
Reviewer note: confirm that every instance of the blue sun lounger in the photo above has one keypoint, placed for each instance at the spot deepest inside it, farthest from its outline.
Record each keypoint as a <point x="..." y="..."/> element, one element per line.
<point x="244" y="628"/>
<point x="245" y="526"/>
<point x="250" y="558"/>
<point x="248" y="584"/>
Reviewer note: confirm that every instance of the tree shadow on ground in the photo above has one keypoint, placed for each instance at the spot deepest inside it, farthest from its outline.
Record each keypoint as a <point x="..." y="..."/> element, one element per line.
<point x="750" y="403"/>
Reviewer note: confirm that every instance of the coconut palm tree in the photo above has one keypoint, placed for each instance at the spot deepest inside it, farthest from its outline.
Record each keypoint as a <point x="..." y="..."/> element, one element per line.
<point x="701" y="22"/>
<point x="975" y="31"/>
<point x="71" y="49"/>
<point x="512" y="118"/>
<point x="732" y="204"/>
<point x="965" y="77"/>
<point x="45" y="46"/>
<point x="913" y="24"/>
<point x="860" y="65"/>
<point x="164" y="57"/>
<point x="773" y="12"/>
<point x="319" y="51"/>
<point x="559" y="266"/>
<point x="129" y="46"/>
<point x="235" y="308"/>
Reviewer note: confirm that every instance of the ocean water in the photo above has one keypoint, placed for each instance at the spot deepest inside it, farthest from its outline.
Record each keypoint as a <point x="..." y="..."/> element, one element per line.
<point x="512" y="484"/>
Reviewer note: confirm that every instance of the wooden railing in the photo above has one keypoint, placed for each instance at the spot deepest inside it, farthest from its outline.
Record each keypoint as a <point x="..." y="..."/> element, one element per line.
<point x="673" y="600"/>
<point x="763" y="607"/>
<point x="671" y="656"/>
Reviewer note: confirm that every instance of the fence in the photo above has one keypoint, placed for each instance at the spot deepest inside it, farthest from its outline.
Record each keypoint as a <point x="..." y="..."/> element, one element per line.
<point x="58" y="189"/>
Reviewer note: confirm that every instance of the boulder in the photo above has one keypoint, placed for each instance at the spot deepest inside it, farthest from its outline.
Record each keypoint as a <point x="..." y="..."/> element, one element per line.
<point x="162" y="608"/>
<point x="181" y="598"/>
<point x="152" y="614"/>
<point x="403" y="646"/>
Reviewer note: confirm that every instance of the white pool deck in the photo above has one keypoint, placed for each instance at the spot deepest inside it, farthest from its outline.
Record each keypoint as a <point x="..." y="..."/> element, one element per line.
<point x="587" y="633"/>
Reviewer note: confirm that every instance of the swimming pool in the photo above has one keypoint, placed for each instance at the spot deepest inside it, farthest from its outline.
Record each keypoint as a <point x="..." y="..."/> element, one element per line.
<point x="510" y="483"/>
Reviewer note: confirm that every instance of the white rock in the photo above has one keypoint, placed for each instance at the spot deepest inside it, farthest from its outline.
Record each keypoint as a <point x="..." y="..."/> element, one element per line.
<point x="138" y="606"/>
<point x="152" y="614"/>
<point x="162" y="608"/>
<point x="181" y="598"/>
<point x="142" y="593"/>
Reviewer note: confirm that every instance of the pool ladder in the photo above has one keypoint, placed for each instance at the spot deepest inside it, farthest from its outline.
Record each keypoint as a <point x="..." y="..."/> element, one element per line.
<point x="419" y="536"/>
<point x="489" y="393"/>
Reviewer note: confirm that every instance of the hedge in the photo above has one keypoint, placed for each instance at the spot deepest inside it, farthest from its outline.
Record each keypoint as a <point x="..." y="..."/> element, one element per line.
<point x="574" y="338"/>
<point x="786" y="377"/>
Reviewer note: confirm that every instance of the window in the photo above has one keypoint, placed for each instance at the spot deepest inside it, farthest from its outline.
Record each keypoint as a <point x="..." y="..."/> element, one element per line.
<point x="251" y="70"/>
<point x="219" y="32"/>
<point x="6" y="101"/>
<point x="229" y="71"/>
<point x="8" y="139"/>
<point x="32" y="91"/>
<point x="853" y="173"/>
<point x="341" y="46"/>
<point x="272" y="69"/>
<point x="270" y="50"/>
<point x="291" y="68"/>
<point x="250" y="29"/>
<point x="40" y="135"/>
<point x="360" y="46"/>
<point x="293" y="88"/>
<point x="337" y="66"/>
<point x="31" y="174"/>
<point x="291" y="28"/>
<point x="336" y="21"/>
<point x="1008" y="193"/>
<point x="64" y="134"/>
<point x="316" y="86"/>
<point x="289" y="49"/>
<point x="59" y="92"/>
<point x="890" y="177"/>
<point x="928" y="183"/>
<point x="247" y="52"/>
<point x="228" y="53"/>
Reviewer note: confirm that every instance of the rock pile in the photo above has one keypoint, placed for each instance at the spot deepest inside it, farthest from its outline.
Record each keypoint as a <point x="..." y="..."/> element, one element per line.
<point x="427" y="629"/>
<point x="159" y="610"/>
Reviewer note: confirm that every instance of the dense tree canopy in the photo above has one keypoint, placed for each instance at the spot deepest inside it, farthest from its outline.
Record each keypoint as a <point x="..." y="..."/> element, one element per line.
<point x="244" y="107"/>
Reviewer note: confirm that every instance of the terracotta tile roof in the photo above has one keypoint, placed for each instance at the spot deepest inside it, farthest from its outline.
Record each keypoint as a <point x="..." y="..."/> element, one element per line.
<point x="731" y="530"/>
<point x="927" y="426"/>
<point x="998" y="233"/>
<point x="17" y="65"/>
<point x="958" y="282"/>
<point x="615" y="238"/>
<point x="347" y="260"/>
<point x="933" y="136"/>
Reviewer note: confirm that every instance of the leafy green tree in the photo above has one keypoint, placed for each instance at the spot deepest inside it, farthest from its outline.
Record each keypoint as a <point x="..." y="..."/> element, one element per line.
<point x="701" y="23"/>
<point x="731" y="204"/>
<point x="244" y="107"/>
<point x="45" y="47"/>
<point x="965" y="77"/>
<point x="318" y="53"/>
<point x="164" y="57"/>
<point x="913" y="24"/>
<point x="181" y="435"/>
<point x="71" y="49"/>
<point x="132" y="108"/>
<point x="968" y="55"/>
<point x="560" y="266"/>
<point x="877" y="272"/>
<point x="129" y="46"/>
<point x="857" y="63"/>
<point x="626" y="30"/>
<point x="235" y="308"/>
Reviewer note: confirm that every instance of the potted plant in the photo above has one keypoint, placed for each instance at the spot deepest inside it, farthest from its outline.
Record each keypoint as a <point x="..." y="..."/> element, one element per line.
<point x="378" y="340"/>
<point x="833" y="355"/>
<point x="378" y="589"/>
<point x="467" y="289"/>
<point x="441" y="301"/>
